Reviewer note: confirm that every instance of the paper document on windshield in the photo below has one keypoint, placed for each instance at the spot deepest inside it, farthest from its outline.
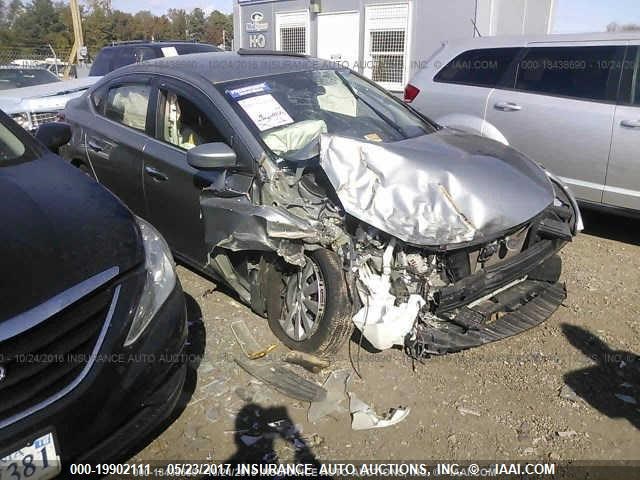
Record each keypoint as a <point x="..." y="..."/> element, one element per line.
<point x="265" y="112"/>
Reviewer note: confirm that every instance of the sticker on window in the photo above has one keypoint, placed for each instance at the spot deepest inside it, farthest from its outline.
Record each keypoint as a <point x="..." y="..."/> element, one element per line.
<point x="249" y="90"/>
<point x="169" y="51"/>
<point x="265" y="112"/>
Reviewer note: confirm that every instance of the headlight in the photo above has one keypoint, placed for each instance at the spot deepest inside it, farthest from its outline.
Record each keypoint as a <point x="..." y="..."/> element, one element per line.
<point x="23" y="119"/>
<point x="161" y="279"/>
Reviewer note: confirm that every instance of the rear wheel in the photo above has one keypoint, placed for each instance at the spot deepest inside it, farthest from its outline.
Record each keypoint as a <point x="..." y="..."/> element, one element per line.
<point x="309" y="308"/>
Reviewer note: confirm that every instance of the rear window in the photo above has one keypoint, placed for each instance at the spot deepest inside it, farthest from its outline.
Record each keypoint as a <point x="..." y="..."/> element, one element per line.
<point x="187" y="48"/>
<point x="589" y="73"/>
<point x="487" y="67"/>
<point x="110" y="59"/>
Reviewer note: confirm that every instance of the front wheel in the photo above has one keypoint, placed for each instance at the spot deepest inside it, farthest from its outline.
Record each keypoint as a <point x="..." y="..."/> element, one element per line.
<point x="309" y="308"/>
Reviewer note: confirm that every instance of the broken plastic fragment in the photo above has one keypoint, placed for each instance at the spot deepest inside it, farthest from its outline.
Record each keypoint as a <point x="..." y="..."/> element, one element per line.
<point x="307" y="361"/>
<point x="381" y="322"/>
<point x="336" y="385"/>
<point x="284" y="380"/>
<point x="364" y="418"/>
<point x="248" y="343"/>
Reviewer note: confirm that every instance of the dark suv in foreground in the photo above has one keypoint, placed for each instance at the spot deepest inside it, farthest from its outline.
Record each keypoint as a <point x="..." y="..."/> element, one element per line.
<point x="325" y="202"/>
<point x="92" y="317"/>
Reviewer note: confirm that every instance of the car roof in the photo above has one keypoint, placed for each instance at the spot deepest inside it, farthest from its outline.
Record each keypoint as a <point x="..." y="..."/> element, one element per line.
<point x="522" y="40"/>
<point x="219" y="67"/>
<point x="158" y="44"/>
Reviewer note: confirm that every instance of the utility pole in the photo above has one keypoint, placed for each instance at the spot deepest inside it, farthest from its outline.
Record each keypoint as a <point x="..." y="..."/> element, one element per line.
<point x="78" y="40"/>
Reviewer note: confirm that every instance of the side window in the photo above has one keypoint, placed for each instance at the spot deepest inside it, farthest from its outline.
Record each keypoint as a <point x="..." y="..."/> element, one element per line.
<point x="185" y="125"/>
<point x="127" y="104"/>
<point x="98" y="98"/>
<point x="487" y="67"/>
<point x="630" y="83"/>
<point x="590" y="73"/>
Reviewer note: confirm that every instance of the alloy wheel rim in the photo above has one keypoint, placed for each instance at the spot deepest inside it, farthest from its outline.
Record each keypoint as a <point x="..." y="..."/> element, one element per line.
<point x="304" y="302"/>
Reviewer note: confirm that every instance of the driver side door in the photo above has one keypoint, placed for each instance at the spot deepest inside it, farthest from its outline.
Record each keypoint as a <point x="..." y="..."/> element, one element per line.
<point x="184" y="119"/>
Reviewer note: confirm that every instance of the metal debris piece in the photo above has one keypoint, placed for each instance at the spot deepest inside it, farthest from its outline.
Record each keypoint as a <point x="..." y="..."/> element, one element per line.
<point x="364" y="418"/>
<point x="248" y="343"/>
<point x="284" y="380"/>
<point x="307" y="361"/>
<point x="336" y="385"/>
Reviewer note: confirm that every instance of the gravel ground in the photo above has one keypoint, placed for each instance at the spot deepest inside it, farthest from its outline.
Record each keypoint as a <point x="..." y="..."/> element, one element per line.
<point x="560" y="391"/>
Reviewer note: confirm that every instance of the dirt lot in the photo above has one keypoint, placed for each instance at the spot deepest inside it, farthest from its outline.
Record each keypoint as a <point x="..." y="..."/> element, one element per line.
<point x="561" y="391"/>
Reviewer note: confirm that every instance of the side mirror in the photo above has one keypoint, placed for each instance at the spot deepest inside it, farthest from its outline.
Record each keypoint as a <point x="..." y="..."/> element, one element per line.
<point x="54" y="135"/>
<point x="211" y="156"/>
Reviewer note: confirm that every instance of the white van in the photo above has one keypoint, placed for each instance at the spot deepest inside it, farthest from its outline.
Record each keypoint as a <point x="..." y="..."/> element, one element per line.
<point x="570" y="102"/>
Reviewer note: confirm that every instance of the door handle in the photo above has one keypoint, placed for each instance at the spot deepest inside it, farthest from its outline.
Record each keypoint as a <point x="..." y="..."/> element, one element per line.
<point x="630" y="123"/>
<point x="94" y="146"/>
<point x="156" y="174"/>
<point x="508" y="106"/>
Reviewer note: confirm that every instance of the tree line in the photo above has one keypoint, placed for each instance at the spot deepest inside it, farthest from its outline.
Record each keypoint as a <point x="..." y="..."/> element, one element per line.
<point x="39" y="23"/>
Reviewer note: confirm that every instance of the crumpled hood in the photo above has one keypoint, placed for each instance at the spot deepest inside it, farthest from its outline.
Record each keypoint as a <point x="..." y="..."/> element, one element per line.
<point x="444" y="188"/>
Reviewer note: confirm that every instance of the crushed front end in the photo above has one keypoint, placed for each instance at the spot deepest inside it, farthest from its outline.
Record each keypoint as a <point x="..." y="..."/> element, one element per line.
<point x="445" y="300"/>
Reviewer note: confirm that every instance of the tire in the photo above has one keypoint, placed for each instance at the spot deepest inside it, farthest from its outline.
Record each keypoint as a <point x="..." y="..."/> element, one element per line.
<point x="333" y="326"/>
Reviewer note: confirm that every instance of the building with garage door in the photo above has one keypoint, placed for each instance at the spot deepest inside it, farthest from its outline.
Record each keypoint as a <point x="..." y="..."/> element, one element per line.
<point x="384" y="40"/>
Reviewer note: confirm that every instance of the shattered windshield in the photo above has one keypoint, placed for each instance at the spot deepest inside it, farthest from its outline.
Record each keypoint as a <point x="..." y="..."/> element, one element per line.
<point x="291" y="111"/>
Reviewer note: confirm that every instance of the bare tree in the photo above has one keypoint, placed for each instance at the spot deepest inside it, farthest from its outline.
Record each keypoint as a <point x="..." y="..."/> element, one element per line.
<point x="627" y="27"/>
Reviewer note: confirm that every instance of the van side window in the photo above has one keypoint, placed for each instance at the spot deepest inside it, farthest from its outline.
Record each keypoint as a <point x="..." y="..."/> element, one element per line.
<point x="630" y="83"/>
<point x="127" y="104"/>
<point x="589" y="73"/>
<point x="487" y="67"/>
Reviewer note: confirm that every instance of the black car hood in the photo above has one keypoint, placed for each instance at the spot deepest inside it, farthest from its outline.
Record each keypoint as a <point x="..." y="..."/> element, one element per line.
<point x="59" y="228"/>
<point x="441" y="189"/>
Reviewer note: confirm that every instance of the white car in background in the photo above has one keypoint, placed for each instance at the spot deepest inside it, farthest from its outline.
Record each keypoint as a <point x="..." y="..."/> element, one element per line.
<point x="41" y="102"/>
<point x="31" y="106"/>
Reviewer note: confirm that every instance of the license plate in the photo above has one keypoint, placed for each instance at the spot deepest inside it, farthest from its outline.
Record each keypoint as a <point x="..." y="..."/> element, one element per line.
<point x="36" y="461"/>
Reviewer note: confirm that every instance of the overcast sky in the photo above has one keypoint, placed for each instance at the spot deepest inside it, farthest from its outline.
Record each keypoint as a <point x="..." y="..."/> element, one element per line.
<point x="570" y="15"/>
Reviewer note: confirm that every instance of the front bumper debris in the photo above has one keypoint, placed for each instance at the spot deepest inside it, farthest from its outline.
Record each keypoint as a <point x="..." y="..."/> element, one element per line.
<point x="509" y="312"/>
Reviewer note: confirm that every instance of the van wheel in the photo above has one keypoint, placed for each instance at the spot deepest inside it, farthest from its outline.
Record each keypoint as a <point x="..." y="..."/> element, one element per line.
<point x="309" y="308"/>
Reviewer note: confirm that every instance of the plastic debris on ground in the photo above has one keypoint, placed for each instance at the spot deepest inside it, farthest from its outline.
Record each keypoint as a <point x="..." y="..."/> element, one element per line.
<point x="284" y="380"/>
<point x="363" y="417"/>
<point x="307" y="361"/>
<point x="336" y="385"/>
<point x="248" y="343"/>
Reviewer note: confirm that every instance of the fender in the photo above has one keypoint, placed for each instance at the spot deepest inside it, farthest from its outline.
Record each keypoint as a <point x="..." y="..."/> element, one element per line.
<point x="472" y="124"/>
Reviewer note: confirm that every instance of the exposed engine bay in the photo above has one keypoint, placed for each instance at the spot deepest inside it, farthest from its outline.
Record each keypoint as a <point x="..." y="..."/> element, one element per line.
<point x="433" y="264"/>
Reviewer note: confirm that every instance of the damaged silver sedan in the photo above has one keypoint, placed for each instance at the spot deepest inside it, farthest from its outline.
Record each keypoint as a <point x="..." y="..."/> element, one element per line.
<point x="325" y="203"/>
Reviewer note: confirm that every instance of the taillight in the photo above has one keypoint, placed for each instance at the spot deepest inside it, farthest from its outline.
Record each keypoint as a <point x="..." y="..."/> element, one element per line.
<point x="410" y="93"/>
